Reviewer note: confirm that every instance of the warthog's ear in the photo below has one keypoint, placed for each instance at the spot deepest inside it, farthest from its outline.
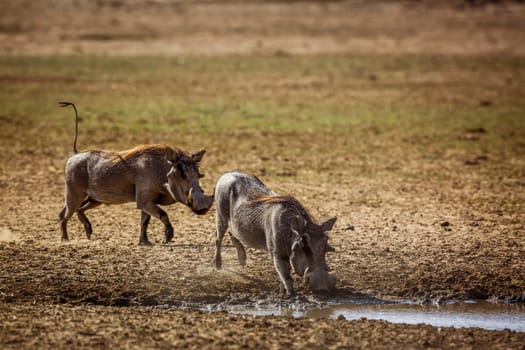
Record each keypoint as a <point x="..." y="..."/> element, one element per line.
<point x="197" y="156"/>
<point x="328" y="224"/>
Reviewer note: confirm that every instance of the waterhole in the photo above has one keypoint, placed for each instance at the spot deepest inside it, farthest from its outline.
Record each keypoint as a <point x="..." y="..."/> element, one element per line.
<point x="480" y="314"/>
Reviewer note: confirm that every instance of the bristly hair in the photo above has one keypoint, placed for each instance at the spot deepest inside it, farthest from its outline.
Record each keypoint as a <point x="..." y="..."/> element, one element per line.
<point x="171" y="153"/>
<point x="289" y="201"/>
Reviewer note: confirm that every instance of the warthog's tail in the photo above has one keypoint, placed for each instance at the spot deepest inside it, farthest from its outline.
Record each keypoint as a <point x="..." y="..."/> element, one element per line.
<point x="65" y="104"/>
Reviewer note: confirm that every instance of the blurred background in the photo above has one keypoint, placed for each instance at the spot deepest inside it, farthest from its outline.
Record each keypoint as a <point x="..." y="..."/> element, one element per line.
<point x="259" y="27"/>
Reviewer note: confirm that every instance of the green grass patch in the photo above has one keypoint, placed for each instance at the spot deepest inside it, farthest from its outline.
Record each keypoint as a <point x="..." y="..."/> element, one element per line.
<point x="423" y="103"/>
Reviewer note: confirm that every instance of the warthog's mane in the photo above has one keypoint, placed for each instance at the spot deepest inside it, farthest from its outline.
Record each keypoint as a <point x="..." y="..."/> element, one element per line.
<point x="171" y="153"/>
<point x="286" y="200"/>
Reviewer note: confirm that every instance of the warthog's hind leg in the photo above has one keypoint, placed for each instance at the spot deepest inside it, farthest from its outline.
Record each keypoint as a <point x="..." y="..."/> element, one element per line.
<point x="73" y="202"/>
<point x="86" y="205"/>
<point x="63" y="226"/>
<point x="241" y="252"/>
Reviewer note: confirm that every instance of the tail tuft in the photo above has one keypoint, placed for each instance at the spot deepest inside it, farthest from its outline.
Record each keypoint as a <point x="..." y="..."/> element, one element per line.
<point x="65" y="104"/>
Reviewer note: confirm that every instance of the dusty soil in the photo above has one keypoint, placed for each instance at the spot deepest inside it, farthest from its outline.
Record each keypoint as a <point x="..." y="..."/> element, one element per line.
<point x="394" y="239"/>
<point x="110" y="292"/>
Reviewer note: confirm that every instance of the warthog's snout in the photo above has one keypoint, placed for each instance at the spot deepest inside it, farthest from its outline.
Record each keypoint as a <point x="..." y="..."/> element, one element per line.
<point x="319" y="280"/>
<point x="199" y="202"/>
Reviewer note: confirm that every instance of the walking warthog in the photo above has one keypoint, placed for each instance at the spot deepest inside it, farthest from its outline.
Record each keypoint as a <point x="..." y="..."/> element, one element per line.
<point x="147" y="174"/>
<point x="261" y="219"/>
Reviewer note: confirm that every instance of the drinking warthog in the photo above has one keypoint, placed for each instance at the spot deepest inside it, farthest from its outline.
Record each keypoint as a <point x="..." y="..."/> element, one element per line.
<point x="147" y="174"/>
<point x="261" y="219"/>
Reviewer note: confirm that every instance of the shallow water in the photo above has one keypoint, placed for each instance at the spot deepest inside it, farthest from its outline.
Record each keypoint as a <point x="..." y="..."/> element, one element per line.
<point x="481" y="314"/>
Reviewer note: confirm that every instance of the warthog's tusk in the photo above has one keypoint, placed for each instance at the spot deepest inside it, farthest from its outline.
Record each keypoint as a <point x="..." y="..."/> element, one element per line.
<point x="190" y="196"/>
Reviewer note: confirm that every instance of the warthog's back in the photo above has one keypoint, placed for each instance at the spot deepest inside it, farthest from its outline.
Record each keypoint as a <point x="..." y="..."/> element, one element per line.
<point x="112" y="177"/>
<point x="239" y="187"/>
<point x="236" y="198"/>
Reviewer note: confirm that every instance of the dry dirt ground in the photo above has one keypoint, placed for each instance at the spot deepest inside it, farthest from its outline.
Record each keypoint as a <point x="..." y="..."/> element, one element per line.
<point x="415" y="241"/>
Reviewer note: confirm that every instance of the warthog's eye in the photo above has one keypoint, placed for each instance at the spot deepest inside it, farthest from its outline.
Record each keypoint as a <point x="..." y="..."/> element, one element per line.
<point x="180" y="170"/>
<point x="196" y="168"/>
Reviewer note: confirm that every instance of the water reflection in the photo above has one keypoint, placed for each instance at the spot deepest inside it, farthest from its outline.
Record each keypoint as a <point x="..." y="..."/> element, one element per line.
<point x="480" y="314"/>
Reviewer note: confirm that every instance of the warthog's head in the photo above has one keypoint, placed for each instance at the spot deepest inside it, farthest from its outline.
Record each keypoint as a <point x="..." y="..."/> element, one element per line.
<point x="308" y="256"/>
<point x="183" y="183"/>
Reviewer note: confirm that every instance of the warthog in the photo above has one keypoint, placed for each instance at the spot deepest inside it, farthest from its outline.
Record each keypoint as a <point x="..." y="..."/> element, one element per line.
<point x="262" y="219"/>
<point x="147" y="174"/>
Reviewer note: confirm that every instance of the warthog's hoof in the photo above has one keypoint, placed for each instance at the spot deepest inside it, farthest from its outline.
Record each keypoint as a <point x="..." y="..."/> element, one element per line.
<point x="169" y="236"/>
<point x="145" y="243"/>
<point x="242" y="259"/>
<point x="218" y="264"/>
<point x="283" y="293"/>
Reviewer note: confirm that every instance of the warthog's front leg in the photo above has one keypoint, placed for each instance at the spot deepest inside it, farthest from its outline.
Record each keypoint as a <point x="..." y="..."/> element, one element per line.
<point x="282" y="265"/>
<point x="144" y="222"/>
<point x="151" y="209"/>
